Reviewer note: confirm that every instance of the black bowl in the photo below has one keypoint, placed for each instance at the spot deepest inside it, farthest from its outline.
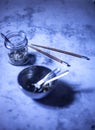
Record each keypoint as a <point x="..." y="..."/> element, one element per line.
<point x="31" y="75"/>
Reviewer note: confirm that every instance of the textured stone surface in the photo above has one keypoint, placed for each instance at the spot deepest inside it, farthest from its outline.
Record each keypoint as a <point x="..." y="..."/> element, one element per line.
<point x="63" y="24"/>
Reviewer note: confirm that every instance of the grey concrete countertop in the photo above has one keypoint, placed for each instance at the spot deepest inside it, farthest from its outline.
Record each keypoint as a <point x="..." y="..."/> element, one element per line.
<point x="63" y="24"/>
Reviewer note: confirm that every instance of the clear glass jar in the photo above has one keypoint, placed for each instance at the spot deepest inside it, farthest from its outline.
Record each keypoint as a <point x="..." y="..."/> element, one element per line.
<point x="17" y="45"/>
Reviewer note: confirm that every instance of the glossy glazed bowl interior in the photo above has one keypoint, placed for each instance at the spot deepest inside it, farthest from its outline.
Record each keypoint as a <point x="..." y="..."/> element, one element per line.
<point x="31" y="75"/>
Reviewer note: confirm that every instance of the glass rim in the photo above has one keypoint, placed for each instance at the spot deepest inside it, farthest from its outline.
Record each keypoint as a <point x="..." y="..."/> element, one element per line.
<point x="22" y="43"/>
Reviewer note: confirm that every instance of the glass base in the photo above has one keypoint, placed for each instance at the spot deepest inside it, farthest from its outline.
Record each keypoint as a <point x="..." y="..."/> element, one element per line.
<point x="29" y="60"/>
<point x="19" y="63"/>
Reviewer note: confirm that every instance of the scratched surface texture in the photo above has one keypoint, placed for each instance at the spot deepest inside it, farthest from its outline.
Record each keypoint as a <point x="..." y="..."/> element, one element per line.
<point x="63" y="24"/>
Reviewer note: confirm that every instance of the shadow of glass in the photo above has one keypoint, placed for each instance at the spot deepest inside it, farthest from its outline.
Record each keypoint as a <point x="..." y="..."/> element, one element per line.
<point x="31" y="59"/>
<point x="62" y="96"/>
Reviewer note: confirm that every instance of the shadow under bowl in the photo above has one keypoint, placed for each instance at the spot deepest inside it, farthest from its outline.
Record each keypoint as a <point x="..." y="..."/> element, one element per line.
<point x="31" y="75"/>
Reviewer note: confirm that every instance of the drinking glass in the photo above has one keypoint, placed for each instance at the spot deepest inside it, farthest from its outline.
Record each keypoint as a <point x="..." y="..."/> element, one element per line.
<point x="17" y="46"/>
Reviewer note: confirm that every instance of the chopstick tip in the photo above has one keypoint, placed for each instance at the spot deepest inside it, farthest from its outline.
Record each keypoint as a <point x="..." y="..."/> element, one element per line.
<point x="85" y="57"/>
<point x="88" y="58"/>
<point x="68" y="65"/>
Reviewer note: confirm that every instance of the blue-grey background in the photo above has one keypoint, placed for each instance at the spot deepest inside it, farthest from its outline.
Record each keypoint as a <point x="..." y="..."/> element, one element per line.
<point x="63" y="24"/>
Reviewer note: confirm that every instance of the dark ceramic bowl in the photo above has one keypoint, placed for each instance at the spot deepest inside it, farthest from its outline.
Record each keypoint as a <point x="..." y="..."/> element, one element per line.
<point x="31" y="75"/>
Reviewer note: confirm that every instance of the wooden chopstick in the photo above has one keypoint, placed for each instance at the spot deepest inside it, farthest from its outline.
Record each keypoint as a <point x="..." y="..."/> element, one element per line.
<point x="50" y="56"/>
<point x="62" y="51"/>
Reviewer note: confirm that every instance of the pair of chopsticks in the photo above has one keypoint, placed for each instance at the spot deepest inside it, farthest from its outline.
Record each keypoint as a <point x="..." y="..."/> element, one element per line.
<point x="34" y="46"/>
